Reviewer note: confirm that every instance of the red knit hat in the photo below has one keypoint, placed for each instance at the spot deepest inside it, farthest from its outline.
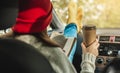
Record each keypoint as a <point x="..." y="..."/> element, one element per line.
<point x="34" y="16"/>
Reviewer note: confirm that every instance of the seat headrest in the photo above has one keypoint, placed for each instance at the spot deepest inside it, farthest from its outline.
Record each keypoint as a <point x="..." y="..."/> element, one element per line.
<point x="19" y="57"/>
<point x="8" y="13"/>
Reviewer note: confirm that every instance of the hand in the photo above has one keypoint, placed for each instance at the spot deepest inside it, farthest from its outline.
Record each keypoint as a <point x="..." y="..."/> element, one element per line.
<point x="93" y="48"/>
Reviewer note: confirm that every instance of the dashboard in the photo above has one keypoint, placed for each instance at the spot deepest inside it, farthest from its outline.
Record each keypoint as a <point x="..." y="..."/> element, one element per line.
<point x="109" y="48"/>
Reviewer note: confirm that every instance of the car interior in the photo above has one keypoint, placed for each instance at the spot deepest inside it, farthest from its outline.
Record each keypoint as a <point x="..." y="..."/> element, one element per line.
<point x="103" y="14"/>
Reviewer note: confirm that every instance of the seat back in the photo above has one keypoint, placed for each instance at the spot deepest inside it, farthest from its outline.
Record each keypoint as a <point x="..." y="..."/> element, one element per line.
<point x="19" y="57"/>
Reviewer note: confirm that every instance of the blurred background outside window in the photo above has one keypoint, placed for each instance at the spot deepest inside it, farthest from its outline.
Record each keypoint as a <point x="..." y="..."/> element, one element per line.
<point x="102" y="13"/>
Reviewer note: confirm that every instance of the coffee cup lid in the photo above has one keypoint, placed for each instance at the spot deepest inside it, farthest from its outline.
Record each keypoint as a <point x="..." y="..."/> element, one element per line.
<point x="89" y="27"/>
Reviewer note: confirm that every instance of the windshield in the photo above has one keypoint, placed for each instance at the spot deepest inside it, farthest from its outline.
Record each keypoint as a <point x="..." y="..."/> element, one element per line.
<point x="102" y="13"/>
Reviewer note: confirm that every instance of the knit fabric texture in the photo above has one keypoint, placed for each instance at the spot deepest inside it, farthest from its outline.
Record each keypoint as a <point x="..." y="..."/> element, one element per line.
<point x="34" y="16"/>
<point x="88" y="63"/>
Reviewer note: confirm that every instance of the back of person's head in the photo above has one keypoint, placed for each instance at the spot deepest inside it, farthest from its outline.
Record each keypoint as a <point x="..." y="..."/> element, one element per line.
<point x="19" y="57"/>
<point x="113" y="66"/>
<point x="33" y="17"/>
<point x="26" y="17"/>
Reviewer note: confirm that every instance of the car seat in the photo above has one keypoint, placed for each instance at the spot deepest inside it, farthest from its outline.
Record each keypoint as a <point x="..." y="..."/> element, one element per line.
<point x="19" y="57"/>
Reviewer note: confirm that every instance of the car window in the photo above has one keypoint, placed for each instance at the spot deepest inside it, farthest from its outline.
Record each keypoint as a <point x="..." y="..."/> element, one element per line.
<point x="102" y="13"/>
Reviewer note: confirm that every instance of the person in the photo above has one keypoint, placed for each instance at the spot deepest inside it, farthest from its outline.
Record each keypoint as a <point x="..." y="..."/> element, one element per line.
<point x="31" y="27"/>
<point x="69" y="31"/>
<point x="90" y="53"/>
